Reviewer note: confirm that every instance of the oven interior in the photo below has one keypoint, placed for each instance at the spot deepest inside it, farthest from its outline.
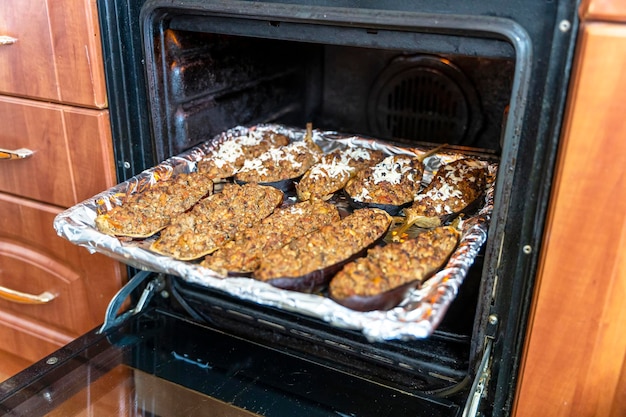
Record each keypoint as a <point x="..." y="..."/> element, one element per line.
<point x="209" y="77"/>
<point x="468" y="76"/>
<point x="209" y="82"/>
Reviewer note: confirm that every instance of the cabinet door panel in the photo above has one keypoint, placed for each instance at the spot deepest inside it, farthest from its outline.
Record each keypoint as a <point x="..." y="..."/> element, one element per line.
<point x="25" y="64"/>
<point x="34" y="259"/>
<point x="72" y="157"/>
<point x="56" y="54"/>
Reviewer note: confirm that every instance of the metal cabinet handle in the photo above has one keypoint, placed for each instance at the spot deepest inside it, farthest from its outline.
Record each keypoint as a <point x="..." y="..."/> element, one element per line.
<point x="7" y="40"/>
<point x="24" y="298"/>
<point x="15" y="154"/>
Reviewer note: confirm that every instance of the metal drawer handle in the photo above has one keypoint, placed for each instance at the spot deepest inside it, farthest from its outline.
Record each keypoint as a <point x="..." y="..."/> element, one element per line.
<point x="15" y="154"/>
<point x="24" y="298"/>
<point x="7" y="40"/>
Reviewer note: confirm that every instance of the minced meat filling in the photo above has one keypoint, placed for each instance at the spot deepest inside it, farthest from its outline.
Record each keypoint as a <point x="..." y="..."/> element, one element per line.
<point x="216" y="219"/>
<point x="144" y="213"/>
<point x="326" y="246"/>
<point x="245" y="252"/>
<point x="394" y="181"/>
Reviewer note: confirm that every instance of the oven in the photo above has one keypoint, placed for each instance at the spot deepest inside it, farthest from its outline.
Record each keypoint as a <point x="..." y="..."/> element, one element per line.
<point x="487" y="78"/>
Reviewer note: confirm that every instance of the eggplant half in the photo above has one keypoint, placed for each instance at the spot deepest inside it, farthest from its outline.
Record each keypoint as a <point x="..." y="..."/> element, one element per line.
<point x="308" y="263"/>
<point x="230" y="155"/>
<point x="241" y="256"/>
<point x="382" y="279"/>
<point x="334" y="170"/>
<point x="458" y="187"/>
<point x="144" y="213"/>
<point x="389" y="185"/>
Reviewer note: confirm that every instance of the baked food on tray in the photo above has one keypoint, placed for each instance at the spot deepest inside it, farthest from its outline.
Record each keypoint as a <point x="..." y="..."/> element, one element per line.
<point x="307" y="263"/>
<point x="280" y="164"/>
<point x="457" y="187"/>
<point x="216" y="219"/>
<point x="389" y="185"/>
<point x="381" y="280"/>
<point x="231" y="154"/>
<point x="334" y="170"/>
<point x="243" y="254"/>
<point x="144" y="213"/>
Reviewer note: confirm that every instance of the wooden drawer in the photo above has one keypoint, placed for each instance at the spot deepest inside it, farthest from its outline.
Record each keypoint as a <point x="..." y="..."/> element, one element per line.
<point x="73" y="151"/>
<point x="34" y="259"/>
<point x="27" y="340"/>
<point x="51" y="51"/>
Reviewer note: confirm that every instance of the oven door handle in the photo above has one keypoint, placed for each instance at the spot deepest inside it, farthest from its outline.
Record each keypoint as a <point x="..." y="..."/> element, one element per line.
<point x="112" y="318"/>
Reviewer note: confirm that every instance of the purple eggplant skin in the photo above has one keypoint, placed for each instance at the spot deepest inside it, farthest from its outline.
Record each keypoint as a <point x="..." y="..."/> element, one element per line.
<point x="391" y="209"/>
<point x="383" y="301"/>
<point x="239" y="274"/>
<point x="287" y="186"/>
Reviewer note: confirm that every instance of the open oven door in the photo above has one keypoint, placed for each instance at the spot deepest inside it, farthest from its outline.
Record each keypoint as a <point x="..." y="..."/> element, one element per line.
<point x="150" y="361"/>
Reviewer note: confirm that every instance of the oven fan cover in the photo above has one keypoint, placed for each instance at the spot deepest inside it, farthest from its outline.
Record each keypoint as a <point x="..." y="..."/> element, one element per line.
<point x="424" y="98"/>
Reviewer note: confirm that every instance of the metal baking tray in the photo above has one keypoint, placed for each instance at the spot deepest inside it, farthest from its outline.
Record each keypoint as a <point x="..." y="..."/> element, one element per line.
<point x="415" y="318"/>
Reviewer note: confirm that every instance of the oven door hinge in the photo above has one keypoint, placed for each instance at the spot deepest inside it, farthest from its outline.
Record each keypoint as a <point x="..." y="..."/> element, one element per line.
<point x="112" y="319"/>
<point x="480" y="382"/>
<point x="484" y="370"/>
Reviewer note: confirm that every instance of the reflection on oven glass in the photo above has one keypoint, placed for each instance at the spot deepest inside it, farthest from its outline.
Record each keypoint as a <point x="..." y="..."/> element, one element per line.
<point x="124" y="391"/>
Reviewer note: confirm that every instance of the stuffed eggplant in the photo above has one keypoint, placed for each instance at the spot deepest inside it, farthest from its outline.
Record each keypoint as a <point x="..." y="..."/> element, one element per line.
<point x="389" y="185"/>
<point x="216" y="219"/>
<point x="457" y="187"/>
<point x="144" y="213"/>
<point x="242" y="255"/>
<point x="306" y="264"/>
<point x="280" y="167"/>
<point x="230" y="155"/>
<point x="334" y="170"/>
<point x="381" y="280"/>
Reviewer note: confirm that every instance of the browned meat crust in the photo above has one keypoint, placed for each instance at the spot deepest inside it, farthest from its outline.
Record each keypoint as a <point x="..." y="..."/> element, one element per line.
<point x="282" y="163"/>
<point x="396" y="264"/>
<point x="216" y="219"/>
<point x="245" y="252"/>
<point x="230" y="156"/>
<point x="326" y="246"/>
<point x="452" y="189"/>
<point x="393" y="181"/>
<point x="144" y="213"/>
<point x="334" y="170"/>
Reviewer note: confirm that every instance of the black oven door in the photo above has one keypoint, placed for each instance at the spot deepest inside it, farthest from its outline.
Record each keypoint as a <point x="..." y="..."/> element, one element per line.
<point x="158" y="363"/>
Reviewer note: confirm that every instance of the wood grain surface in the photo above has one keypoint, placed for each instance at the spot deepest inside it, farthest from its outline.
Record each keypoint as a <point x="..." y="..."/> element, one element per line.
<point x="574" y="363"/>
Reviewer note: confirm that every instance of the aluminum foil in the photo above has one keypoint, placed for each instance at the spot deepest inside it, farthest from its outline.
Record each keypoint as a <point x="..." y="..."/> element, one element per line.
<point x="416" y="317"/>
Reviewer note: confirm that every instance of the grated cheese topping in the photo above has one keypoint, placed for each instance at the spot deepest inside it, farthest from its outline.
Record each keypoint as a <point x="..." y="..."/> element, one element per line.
<point x="391" y="170"/>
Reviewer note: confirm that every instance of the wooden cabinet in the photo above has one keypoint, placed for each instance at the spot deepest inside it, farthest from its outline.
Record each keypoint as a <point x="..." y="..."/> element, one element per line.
<point x="50" y="50"/>
<point x="53" y="107"/>
<point x="574" y="363"/>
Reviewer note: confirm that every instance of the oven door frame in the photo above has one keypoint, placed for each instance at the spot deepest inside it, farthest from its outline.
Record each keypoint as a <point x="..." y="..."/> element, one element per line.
<point x="543" y="35"/>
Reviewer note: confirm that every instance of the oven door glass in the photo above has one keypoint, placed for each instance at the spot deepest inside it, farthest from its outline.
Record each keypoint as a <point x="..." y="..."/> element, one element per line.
<point x="159" y="364"/>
